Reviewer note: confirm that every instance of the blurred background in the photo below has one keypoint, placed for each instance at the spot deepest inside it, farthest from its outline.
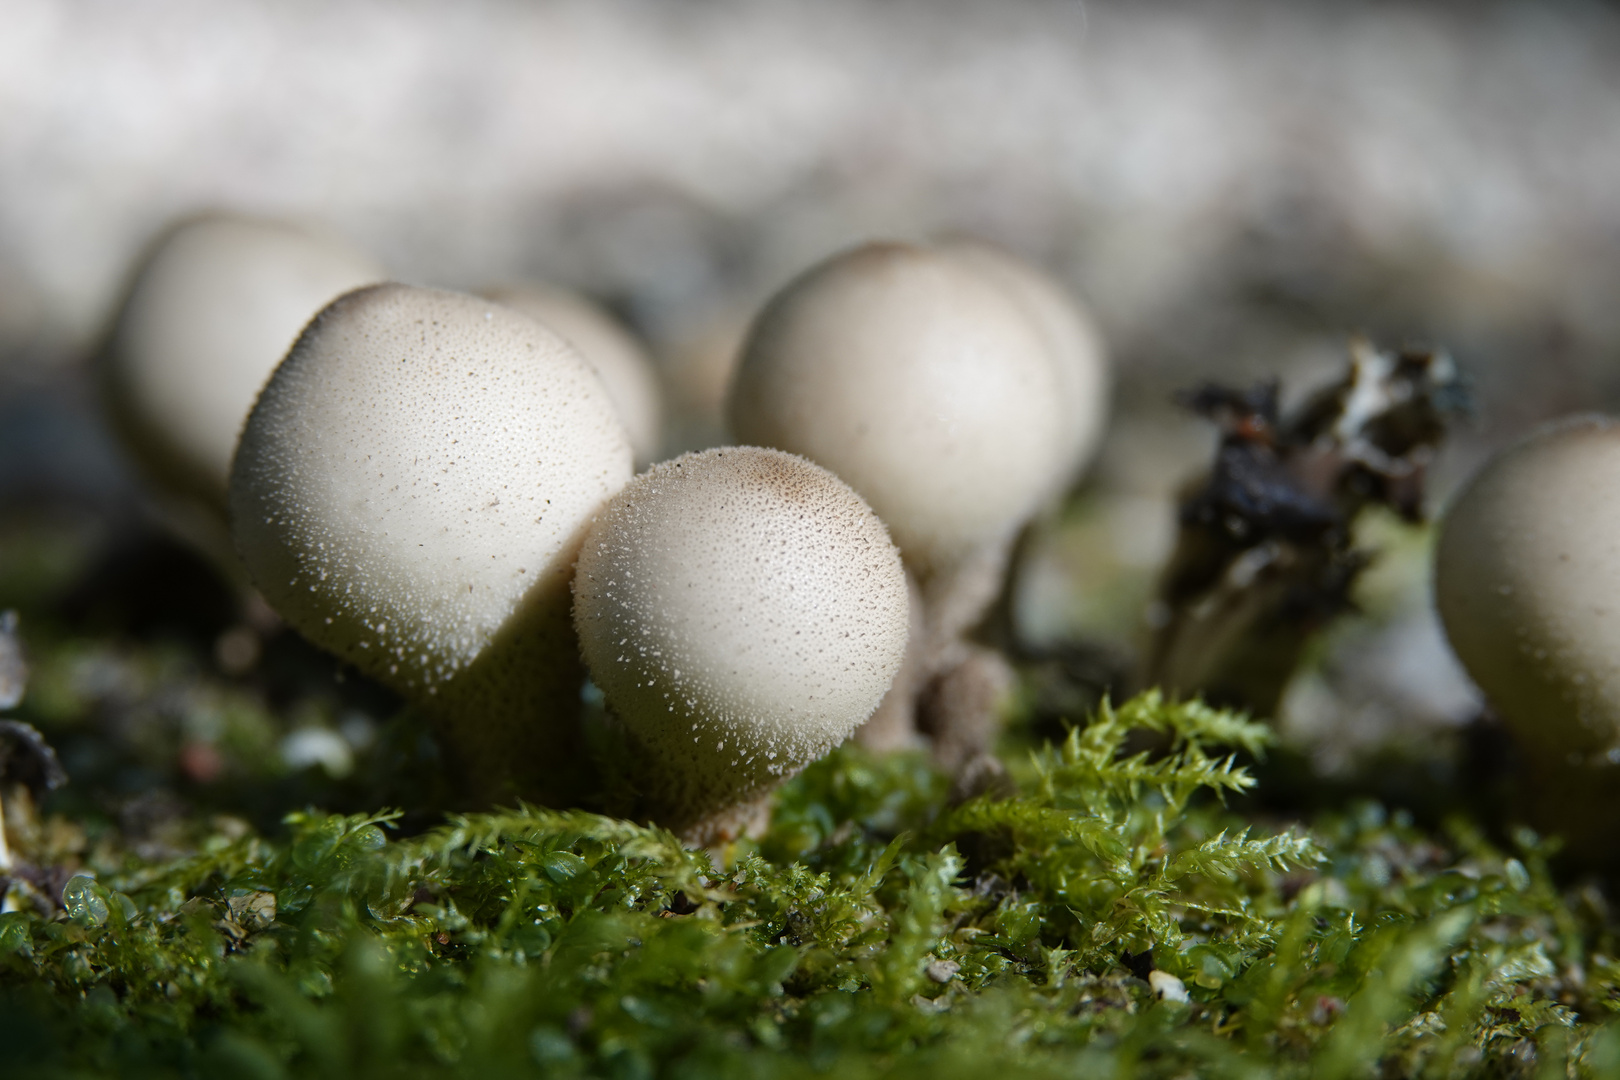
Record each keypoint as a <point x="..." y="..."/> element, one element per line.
<point x="1232" y="187"/>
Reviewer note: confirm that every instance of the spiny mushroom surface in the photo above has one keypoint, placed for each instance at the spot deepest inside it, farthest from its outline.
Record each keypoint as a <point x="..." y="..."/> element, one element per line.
<point x="1527" y="581"/>
<point x="213" y="308"/>
<point x="743" y="611"/>
<point x="921" y="382"/>
<point x="410" y="492"/>
<point x="623" y="365"/>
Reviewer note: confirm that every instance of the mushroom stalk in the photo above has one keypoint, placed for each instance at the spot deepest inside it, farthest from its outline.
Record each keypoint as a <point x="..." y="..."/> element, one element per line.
<point x="1265" y="553"/>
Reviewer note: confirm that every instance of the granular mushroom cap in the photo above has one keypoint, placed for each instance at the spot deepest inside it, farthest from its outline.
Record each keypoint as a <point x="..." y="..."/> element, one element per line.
<point x="743" y="611"/>
<point x="623" y="365"/>
<point x="421" y="466"/>
<point x="919" y="381"/>
<point x="212" y="310"/>
<point x="1527" y="582"/>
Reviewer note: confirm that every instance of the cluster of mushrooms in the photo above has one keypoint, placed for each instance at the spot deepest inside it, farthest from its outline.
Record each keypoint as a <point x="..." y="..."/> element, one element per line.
<point x="441" y="489"/>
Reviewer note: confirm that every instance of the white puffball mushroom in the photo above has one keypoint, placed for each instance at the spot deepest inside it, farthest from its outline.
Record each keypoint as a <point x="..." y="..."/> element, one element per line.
<point x="929" y="385"/>
<point x="1075" y="345"/>
<point x="624" y="366"/>
<point x="743" y="611"/>
<point x="410" y="492"/>
<point x="1527" y="581"/>
<point x="921" y="383"/>
<point x="212" y="309"/>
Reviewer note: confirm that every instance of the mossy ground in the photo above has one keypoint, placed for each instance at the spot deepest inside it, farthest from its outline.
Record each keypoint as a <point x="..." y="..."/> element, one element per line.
<point x="1107" y="913"/>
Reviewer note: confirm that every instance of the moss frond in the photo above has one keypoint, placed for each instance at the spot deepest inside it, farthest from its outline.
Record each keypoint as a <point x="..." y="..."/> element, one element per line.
<point x="875" y="930"/>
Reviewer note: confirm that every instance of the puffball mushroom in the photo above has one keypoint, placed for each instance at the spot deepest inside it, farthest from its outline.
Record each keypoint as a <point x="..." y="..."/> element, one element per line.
<point x="1074" y="343"/>
<point x="932" y="387"/>
<point x="921" y="382"/>
<point x="212" y="309"/>
<point x="410" y="493"/>
<point x="742" y="610"/>
<point x="1527" y="580"/>
<point x="623" y="365"/>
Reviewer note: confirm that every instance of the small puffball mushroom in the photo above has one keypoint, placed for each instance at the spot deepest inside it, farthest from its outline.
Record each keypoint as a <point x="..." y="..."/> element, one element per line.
<point x="922" y="383"/>
<point x="1527" y="581"/>
<point x="213" y="308"/>
<point x="410" y="492"/>
<point x="624" y="367"/>
<point x="742" y="611"/>
<point x="1074" y="342"/>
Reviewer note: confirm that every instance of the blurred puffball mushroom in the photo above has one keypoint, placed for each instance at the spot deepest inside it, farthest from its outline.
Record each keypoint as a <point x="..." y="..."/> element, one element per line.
<point x="697" y="364"/>
<point x="930" y="380"/>
<point x="213" y="307"/>
<point x="921" y="383"/>
<point x="1075" y="345"/>
<point x="625" y="369"/>
<point x="410" y="493"/>
<point x="742" y="611"/>
<point x="1527" y="581"/>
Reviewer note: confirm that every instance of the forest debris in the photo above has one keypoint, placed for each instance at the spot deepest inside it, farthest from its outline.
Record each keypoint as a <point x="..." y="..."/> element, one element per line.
<point x="13" y="668"/>
<point x="254" y="910"/>
<point x="1264" y="556"/>
<point x="26" y="758"/>
<point x="27" y="762"/>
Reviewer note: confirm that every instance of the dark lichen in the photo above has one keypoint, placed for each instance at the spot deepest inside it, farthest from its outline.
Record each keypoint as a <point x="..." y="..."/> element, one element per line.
<point x="1264" y="554"/>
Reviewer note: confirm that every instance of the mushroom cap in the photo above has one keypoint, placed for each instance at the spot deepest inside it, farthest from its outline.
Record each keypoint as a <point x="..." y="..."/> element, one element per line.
<point x="1527" y="581"/>
<point x="743" y="611"/>
<point x="422" y="465"/>
<point x="918" y="380"/>
<point x="212" y="310"/>
<point x="1077" y="347"/>
<point x="624" y="366"/>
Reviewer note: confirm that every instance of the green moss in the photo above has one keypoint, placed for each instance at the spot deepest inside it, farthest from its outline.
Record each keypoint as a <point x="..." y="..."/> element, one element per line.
<point x="876" y="929"/>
